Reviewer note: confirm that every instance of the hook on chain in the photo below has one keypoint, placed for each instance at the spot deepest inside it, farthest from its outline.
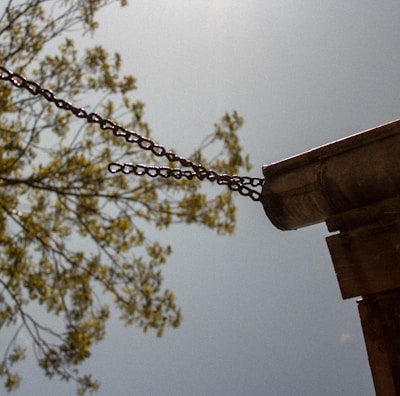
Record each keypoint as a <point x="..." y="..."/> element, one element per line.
<point x="234" y="183"/>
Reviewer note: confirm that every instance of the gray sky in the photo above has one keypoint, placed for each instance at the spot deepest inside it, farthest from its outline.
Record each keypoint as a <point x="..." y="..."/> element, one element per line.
<point x="262" y="309"/>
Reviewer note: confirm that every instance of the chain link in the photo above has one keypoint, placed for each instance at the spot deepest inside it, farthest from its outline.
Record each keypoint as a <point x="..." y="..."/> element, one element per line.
<point x="234" y="183"/>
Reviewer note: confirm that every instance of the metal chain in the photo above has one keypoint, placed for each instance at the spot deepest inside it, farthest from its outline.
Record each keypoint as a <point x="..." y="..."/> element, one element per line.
<point x="234" y="183"/>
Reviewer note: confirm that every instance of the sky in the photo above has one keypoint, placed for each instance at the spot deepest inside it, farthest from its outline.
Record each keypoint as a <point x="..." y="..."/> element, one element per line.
<point x="262" y="310"/>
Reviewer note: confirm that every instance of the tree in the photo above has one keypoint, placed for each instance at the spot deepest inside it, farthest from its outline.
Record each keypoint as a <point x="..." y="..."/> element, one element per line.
<point x="71" y="233"/>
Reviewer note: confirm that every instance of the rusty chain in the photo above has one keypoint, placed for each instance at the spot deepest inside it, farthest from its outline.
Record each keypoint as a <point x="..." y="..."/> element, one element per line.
<point x="234" y="183"/>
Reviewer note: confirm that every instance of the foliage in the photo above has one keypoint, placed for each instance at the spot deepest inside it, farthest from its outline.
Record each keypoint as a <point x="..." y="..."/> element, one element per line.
<point x="70" y="232"/>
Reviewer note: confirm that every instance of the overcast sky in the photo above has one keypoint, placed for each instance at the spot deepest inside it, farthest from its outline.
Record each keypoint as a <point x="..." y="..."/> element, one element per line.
<point x="262" y="309"/>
